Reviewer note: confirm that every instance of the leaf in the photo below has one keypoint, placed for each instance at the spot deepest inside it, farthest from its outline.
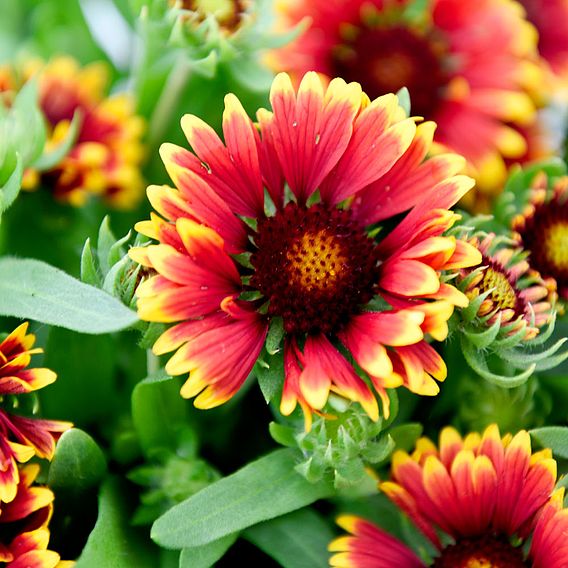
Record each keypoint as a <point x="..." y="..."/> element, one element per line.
<point x="113" y="543"/>
<point x="296" y="540"/>
<point x="553" y="437"/>
<point x="206" y="555"/>
<point x="78" y="465"/>
<point x="405" y="435"/>
<point x="284" y="435"/>
<point x="270" y="375"/>
<point x="275" y="335"/>
<point x="10" y="190"/>
<point x="404" y="100"/>
<point x="157" y="411"/>
<point x="87" y="396"/>
<point x="105" y="242"/>
<point x="89" y="272"/>
<point x="32" y="289"/>
<point x="50" y="159"/>
<point x="476" y="360"/>
<point x="264" y="489"/>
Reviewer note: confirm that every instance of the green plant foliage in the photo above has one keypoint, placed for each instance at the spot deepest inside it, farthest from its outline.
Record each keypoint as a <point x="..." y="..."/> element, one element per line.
<point x="79" y="464"/>
<point x="264" y="489"/>
<point x="113" y="542"/>
<point x="35" y="290"/>
<point x="553" y="437"/>
<point x="295" y="540"/>
<point x="206" y="555"/>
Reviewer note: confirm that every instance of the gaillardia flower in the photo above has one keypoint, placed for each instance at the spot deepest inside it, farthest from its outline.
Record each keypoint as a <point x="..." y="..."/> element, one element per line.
<point x="542" y="229"/>
<point x="479" y="500"/>
<point x="228" y="13"/>
<point x="550" y="18"/>
<point x="105" y="157"/>
<point x="470" y="66"/>
<point x="24" y="532"/>
<point x="510" y="305"/>
<point x="295" y="226"/>
<point x="21" y="437"/>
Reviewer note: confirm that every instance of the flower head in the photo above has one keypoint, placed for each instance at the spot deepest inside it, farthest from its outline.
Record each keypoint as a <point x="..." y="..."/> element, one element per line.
<point x="550" y="18"/>
<point x="105" y="157"/>
<point x="487" y="495"/>
<point x="21" y="437"/>
<point x="542" y="229"/>
<point x="297" y="229"/>
<point x="511" y="312"/>
<point x="24" y="525"/>
<point x="229" y="14"/>
<point x="470" y="66"/>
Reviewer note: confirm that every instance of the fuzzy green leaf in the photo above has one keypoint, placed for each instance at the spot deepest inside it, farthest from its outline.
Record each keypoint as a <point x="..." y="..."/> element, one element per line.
<point x="405" y="435"/>
<point x="476" y="360"/>
<point x="553" y="437"/>
<point x="270" y="375"/>
<point x="262" y="490"/>
<point x="78" y="465"/>
<point x="157" y="412"/>
<point x="9" y="191"/>
<point x="89" y="272"/>
<point x="49" y="159"/>
<point x="404" y="100"/>
<point x="206" y="555"/>
<point x="113" y="543"/>
<point x="274" y="336"/>
<point x="296" y="540"/>
<point x="32" y="289"/>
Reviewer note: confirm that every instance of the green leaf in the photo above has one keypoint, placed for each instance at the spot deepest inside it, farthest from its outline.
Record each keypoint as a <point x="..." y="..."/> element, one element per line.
<point x="296" y="540"/>
<point x="157" y="412"/>
<point x="113" y="543"/>
<point x="476" y="360"/>
<point x="206" y="555"/>
<point x="405" y="435"/>
<point x="282" y="434"/>
<point x="270" y="375"/>
<point x="49" y="159"/>
<point x="274" y="336"/>
<point x="404" y="100"/>
<point x="32" y="289"/>
<point x="105" y="243"/>
<point x="87" y="396"/>
<point x="89" y="272"/>
<point x="553" y="437"/>
<point x="10" y="190"/>
<point x="78" y="465"/>
<point x="264" y="489"/>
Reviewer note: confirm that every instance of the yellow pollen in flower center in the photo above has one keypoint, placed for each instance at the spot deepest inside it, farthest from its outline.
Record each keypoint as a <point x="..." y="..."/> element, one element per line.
<point x="480" y="563"/>
<point x="503" y="293"/>
<point x="316" y="261"/>
<point x="394" y="69"/>
<point x="556" y="245"/>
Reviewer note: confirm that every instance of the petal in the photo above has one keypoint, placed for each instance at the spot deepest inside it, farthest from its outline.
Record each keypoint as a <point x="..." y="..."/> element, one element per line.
<point x="373" y="149"/>
<point x="409" y="278"/>
<point x="311" y="131"/>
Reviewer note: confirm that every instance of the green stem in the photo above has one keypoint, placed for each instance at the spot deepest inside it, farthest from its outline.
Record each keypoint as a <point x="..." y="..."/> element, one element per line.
<point x="167" y="102"/>
<point x="152" y="362"/>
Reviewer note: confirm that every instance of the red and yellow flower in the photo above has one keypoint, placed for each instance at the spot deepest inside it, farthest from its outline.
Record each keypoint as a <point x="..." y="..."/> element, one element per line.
<point x="542" y="229"/>
<point x="279" y="224"/>
<point x="24" y="532"/>
<point x="513" y="292"/>
<point x="471" y="66"/>
<point x="477" y="499"/>
<point x="105" y="158"/>
<point x="550" y="18"/>
<point x="21" y="437"/>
